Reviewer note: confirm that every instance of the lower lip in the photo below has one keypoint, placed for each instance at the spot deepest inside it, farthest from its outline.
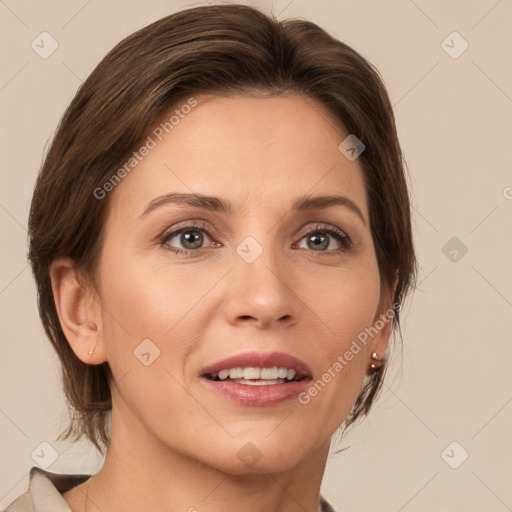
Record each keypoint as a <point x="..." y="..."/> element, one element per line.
<point x="257" y="395"/>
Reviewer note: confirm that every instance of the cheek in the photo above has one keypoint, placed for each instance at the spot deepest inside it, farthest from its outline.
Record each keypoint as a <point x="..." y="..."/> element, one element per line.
<point x="345" y="299"/>
<point x="150" y="311"/>
<point x="346" y="302"/>
<point x="164" y="304"/>
<point x="148" y="301"/>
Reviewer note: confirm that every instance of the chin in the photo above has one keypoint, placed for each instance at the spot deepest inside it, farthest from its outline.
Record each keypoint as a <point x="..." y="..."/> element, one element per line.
<point x="260" y="456"/>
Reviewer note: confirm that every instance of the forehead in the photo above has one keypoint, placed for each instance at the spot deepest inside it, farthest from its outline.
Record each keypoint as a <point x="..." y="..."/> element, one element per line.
<point x="260" y="150"/>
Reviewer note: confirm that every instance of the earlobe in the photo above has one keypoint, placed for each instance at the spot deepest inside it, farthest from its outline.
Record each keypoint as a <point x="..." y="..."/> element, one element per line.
<point x="383" y="323"/>
<point x="78" y="312"/>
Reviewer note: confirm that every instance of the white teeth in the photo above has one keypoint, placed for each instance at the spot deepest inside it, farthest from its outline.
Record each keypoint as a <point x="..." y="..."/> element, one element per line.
<point x="269" y="373"/>
<point x="236" y="373"/>
<point x="282" y="373"/>
<point x="256" y="374"/>
<point x="223" y="374"/>
<point x="258" y="382"/>
<point x="252" y="373"/>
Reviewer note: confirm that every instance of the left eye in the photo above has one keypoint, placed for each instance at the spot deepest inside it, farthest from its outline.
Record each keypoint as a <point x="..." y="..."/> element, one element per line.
<point x="320" y="240"/>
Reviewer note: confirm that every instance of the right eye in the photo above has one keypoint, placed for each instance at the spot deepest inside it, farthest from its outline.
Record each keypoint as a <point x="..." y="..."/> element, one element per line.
<point x="191" y="237"/>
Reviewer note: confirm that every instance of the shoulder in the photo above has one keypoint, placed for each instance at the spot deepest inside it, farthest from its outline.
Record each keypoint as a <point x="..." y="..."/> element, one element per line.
<point x="44" y="492"/>
<point x="22" y="503"/>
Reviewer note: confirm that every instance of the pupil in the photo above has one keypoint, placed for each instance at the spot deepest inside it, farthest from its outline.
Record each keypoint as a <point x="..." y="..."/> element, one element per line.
<point x="319" y="241"/>
<point x="193" y="238"/>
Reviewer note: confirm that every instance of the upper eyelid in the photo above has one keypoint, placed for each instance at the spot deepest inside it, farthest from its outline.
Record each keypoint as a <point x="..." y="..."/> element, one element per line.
<point x="324" y="225"/>
<point x="194" y="224"/>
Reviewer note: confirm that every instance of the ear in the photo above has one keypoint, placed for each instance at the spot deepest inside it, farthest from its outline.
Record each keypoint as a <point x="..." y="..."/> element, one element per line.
<point x="383" y="321"/>
<point x="79" y="312"/>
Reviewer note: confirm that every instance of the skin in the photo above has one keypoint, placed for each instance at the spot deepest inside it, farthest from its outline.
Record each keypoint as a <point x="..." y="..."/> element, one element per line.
<point x="174" y="442"/>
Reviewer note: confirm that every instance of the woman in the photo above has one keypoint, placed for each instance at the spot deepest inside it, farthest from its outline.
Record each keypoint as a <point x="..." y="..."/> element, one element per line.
<point x="221" y="240"/>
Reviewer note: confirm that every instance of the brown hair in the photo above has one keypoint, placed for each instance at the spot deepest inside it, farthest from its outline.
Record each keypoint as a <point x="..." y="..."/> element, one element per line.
<point x="219" y="49"/>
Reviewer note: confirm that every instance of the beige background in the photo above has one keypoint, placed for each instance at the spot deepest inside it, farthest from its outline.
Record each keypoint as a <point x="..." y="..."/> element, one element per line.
<point x="454" y="120"/>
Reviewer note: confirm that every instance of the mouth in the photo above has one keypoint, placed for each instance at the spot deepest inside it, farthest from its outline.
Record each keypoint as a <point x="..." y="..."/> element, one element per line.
<point x="258" y="378"/>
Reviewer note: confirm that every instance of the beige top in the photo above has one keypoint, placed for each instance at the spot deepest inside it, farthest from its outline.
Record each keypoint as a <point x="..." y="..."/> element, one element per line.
<point x="44" y="492"/>
<point x="45" y="488"/>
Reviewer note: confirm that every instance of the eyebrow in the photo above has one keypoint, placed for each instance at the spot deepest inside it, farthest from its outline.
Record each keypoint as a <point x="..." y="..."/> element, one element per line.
<point x="216" y="204"/>
<point x="319" y="202"/>
<point x="211" y="203"/>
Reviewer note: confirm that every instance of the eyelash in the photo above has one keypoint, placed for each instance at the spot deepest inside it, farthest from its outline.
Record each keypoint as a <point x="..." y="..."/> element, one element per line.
<point x="194" y="226"/>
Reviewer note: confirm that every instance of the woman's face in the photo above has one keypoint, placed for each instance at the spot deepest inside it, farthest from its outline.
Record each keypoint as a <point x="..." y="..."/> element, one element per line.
<point x="234" y="267"/>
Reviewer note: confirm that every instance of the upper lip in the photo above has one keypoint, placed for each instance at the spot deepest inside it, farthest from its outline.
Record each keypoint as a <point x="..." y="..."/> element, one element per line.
<point x="260" y="360"/>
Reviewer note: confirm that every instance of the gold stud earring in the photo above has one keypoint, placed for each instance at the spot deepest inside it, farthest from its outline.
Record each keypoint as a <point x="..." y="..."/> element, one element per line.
<point x="377" y="362"/>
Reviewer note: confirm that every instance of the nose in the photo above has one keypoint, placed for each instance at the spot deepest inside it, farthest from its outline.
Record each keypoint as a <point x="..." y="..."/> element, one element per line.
<point x="260" y="294"/>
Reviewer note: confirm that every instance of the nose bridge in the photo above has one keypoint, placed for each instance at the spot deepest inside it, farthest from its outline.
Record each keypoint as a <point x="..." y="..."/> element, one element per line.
<point x="260" y="290"/>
